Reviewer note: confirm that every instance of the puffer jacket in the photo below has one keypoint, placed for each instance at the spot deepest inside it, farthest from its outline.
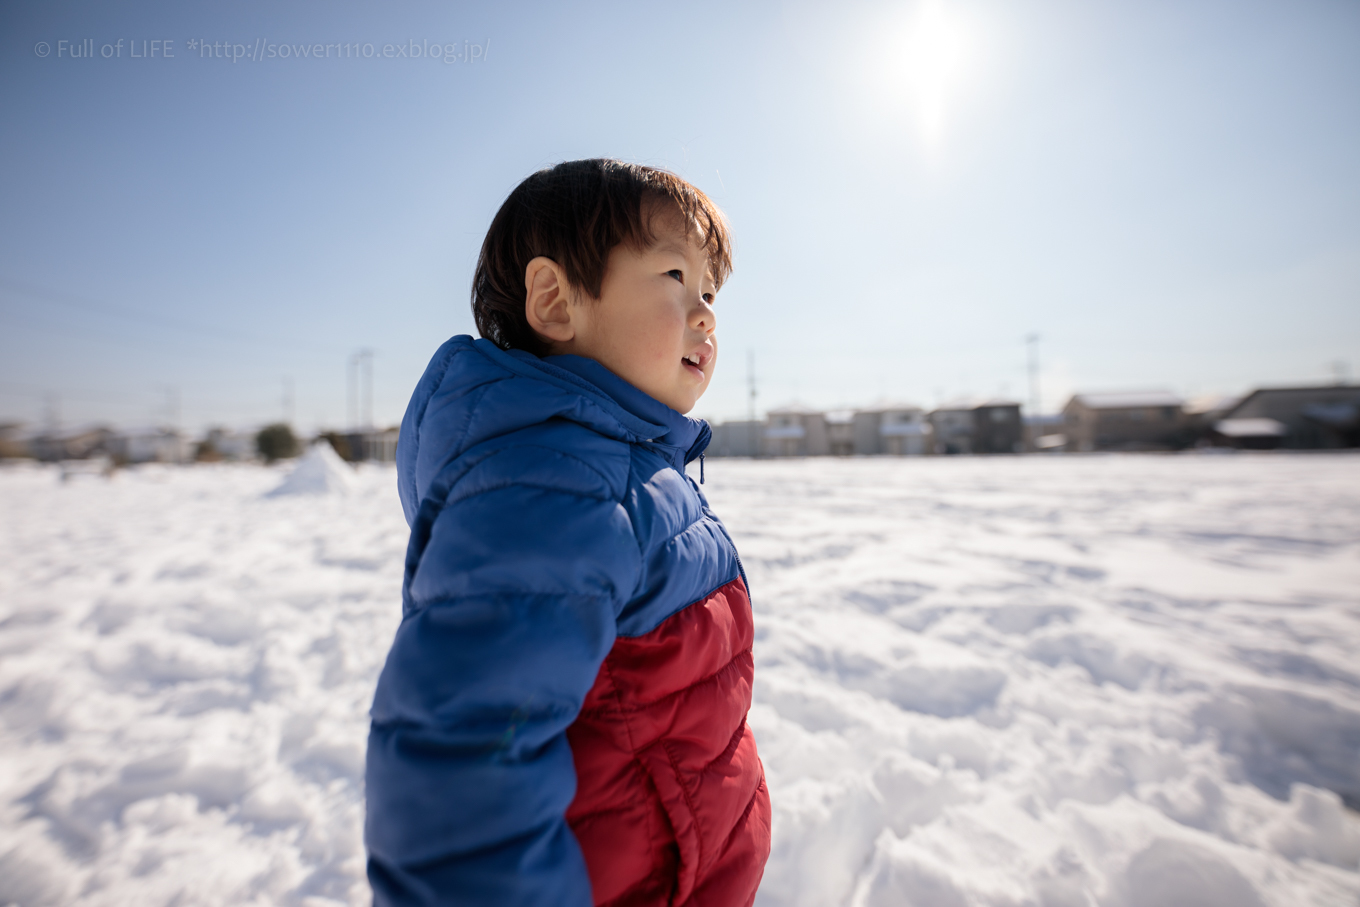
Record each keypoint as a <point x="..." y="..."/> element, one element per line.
<point x="562" y="716"/>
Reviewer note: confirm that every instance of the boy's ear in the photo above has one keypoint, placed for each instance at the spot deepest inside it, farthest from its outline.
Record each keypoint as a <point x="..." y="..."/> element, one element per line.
<point x="547" y="300"/>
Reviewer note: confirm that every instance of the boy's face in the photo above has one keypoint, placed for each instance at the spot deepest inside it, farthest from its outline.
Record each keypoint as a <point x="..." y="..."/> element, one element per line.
<point x="653" y="324"/>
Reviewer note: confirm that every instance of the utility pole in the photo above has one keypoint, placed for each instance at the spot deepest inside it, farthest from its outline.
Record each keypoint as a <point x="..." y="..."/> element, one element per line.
<point x="1032" y="341"/>
<point x="751" y="385"/>
<point x="361" y="389"/>
<point x="368" y="389"/>
<point x="751" y="402"/>
<point x="176" y="452"/>
<point x="349" y="394"/>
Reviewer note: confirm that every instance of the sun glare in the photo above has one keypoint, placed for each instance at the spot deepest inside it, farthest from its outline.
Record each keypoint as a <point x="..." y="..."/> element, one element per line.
<point x="937" y="57"/>
<point x="925" y="58"/>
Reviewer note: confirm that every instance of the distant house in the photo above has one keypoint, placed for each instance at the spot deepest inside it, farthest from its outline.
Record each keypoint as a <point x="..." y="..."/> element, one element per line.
<point x="1307" y="417"/>
<point x="382" y="445"/>
<point x="840" y="433"/>
<point x="1247" y="434"/>
<point x="378" y="444"/>
<point x="795" y="432"/>
<point x="997" y="428"/>
<point x="76" y="444"/>
<point x="898" y="430"/>
<point x="892" y="429"/>
<point x="11" y="440"/>
<point x="149" y="445"/>
<point x="969" y="426"/>
<point x="952" y="425"/>
<point x="137" y="445"/>
<point x="1139" y="420"/>
<point x="226" y="444"/>
<point x="735" y="439"/>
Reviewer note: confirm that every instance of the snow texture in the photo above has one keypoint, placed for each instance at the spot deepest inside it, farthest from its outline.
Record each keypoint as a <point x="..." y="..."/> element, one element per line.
<point x="1125" y="681"/>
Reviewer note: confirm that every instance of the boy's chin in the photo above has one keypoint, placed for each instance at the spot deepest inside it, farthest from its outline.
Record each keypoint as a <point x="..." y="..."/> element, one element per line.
<point x="682" y="405"/>
<point x="679" y="396"/>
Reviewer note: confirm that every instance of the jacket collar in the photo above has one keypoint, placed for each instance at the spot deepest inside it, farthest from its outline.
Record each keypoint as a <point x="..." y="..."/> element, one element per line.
<point x="685" y="436"/>
<point x="446" y="417"/>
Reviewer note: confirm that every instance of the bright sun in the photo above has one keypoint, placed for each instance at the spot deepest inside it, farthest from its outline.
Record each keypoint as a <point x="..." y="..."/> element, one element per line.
<point x="937" y="58"/>
<point x="927" y="58"/>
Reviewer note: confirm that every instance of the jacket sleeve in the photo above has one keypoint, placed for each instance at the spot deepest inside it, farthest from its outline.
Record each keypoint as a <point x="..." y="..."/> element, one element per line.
<point x="509" y="611"/>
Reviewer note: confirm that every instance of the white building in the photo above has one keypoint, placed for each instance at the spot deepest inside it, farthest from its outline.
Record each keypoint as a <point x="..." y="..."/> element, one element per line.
<point x="735" y="439"/>
<point x="379" y="444"/>
<point x="1131" y="420"/>
<point x="796" y="432"/>
<point x="954" y="425"/>
<point x="150" y="445"/>
<point x="899" y="430"/>
<point x="231" y="445"/>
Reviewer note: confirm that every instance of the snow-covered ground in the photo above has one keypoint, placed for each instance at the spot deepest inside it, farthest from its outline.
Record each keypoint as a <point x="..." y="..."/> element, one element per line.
<point x="1118" y="681"/>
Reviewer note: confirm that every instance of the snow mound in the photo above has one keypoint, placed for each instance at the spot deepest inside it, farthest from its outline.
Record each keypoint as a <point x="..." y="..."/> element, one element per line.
<point x="319" y="471"/>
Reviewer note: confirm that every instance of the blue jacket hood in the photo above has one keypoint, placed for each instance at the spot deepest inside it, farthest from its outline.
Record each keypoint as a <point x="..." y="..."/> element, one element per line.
<point x="473" y="392"/>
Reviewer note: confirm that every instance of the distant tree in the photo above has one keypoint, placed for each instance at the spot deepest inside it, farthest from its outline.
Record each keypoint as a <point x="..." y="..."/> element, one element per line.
<point x="277" y="441"/>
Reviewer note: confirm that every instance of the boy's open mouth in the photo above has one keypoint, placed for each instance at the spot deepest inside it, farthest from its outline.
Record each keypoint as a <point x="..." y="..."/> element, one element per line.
<point x="694" y="361"/>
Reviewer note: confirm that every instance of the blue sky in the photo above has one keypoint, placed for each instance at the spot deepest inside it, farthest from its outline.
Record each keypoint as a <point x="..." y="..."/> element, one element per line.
<point x="1167" y="193"/>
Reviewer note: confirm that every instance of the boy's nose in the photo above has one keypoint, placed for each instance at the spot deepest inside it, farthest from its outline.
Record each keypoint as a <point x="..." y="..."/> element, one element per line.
<point x="702" y="318"/>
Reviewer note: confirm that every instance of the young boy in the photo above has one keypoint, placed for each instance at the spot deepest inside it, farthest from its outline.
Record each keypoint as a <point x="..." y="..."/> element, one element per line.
<point x="562" y="716"/>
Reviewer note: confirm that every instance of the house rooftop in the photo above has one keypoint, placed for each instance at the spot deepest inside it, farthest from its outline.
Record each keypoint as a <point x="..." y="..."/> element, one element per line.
<point x="794" y="409"/>
<point x="1128" y="399"/>
<point x="1308" y="390"/>
<point x="960" y="404"/>
<point x="888" y="405"/>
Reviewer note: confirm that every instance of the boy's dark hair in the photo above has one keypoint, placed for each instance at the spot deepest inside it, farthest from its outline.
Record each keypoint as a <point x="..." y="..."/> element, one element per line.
<point x="575" y="213"/>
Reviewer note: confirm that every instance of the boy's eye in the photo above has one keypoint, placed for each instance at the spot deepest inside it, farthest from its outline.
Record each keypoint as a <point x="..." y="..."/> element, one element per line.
<point x="677" y="274"/>
<point x="708" y="298"/>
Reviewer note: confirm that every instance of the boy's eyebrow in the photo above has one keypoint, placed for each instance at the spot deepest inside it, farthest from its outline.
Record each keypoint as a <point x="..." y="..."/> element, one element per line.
<point x="682" y="249"/>
<point x="670" y="245"/>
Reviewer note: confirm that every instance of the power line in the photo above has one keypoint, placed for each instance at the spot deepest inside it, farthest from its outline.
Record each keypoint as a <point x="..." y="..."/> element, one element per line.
<point x="135" y="315"/>
<point x="85" y="331"/>
<point x="139" y="398"/>
<point x="19" y="389"/>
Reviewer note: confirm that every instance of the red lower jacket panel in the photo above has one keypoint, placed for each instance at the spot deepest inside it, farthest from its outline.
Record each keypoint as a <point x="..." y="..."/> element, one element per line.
<point x="671" y="806"/>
